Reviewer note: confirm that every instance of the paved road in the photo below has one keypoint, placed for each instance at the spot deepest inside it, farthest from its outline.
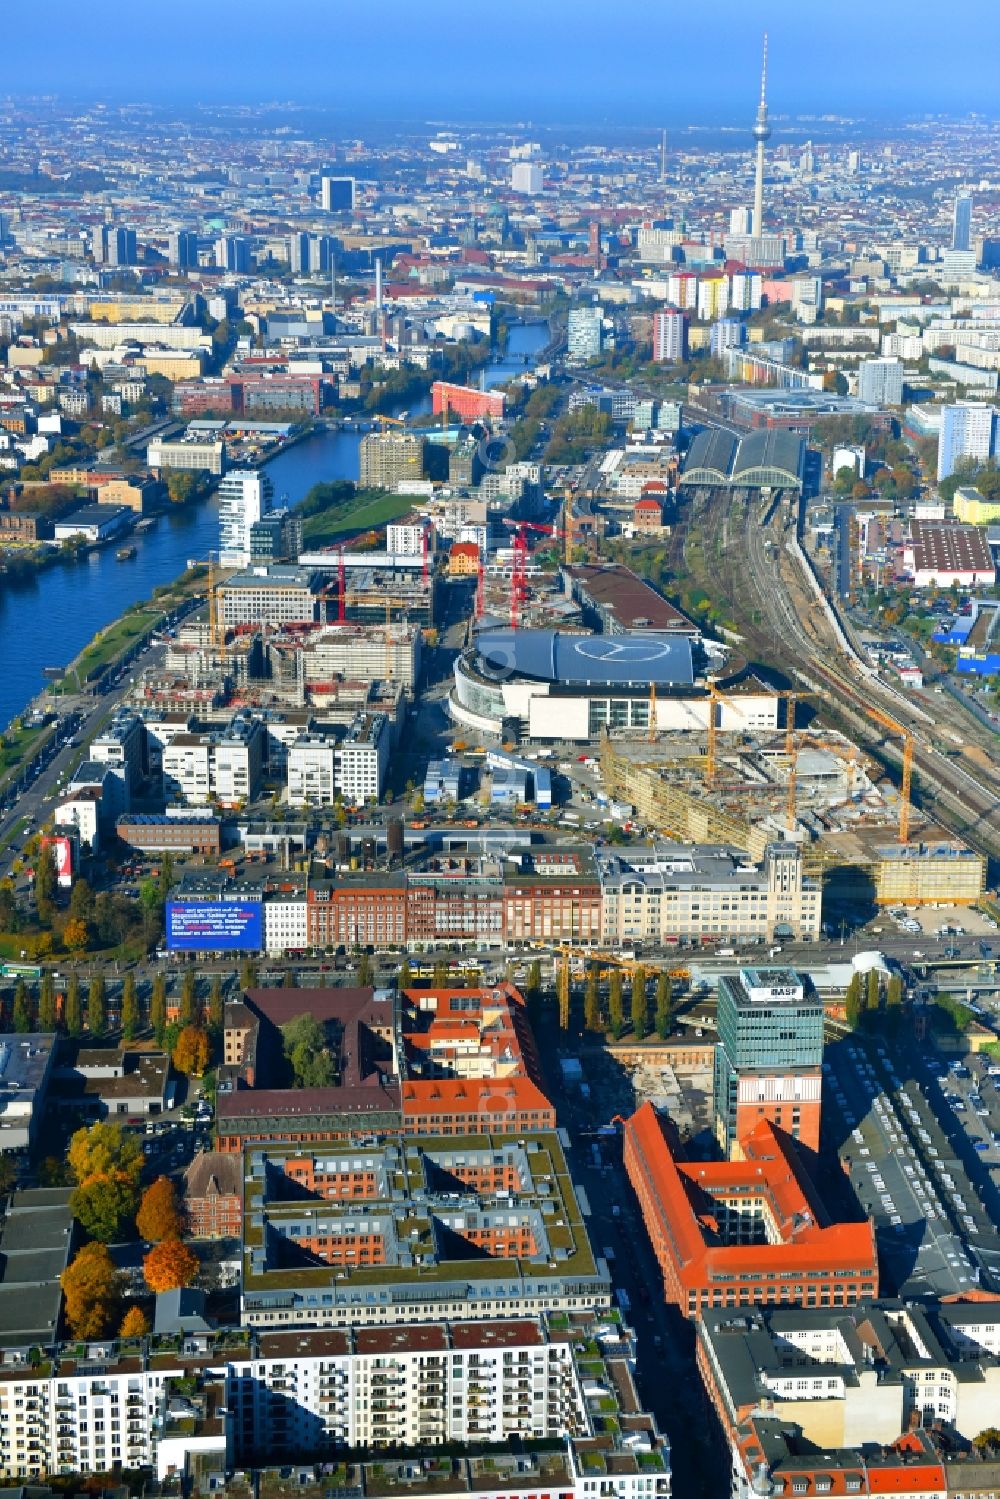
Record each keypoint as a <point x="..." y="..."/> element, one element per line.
<point x="842" y="523"/>
<point x="668" y="1381"/>
<point x="91" y="711"/>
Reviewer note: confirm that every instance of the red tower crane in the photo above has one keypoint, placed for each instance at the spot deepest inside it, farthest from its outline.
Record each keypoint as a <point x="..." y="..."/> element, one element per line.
<point x="519" y="573"/>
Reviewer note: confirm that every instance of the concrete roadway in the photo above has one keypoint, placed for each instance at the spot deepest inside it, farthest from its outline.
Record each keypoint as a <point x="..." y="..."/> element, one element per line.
<point x="94" y="710"/>
<point x="668" y="1381"/>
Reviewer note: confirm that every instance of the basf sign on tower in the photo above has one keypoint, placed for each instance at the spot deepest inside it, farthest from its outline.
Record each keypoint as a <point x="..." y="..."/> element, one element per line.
<point x="214" y="926"/>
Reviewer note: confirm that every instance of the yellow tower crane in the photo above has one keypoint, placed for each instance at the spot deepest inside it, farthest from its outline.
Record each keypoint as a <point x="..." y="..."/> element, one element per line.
<point x="792" y="750"/>
<point x="567" y="525"/>
<point x="390" y="600"/>
<point x="216" y="633"/>
<point x="907" y="780"/>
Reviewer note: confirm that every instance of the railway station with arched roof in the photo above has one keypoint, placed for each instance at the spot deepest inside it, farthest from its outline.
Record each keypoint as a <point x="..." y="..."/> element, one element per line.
<point x="761" y="460"/>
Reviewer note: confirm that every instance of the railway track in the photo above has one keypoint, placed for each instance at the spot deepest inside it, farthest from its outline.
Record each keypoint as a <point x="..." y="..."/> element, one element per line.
<point x="745" y="561"/>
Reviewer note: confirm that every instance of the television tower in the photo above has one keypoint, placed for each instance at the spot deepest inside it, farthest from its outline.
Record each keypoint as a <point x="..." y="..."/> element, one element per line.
<point x="761" y="133"/>
<point x="663" y="156"/>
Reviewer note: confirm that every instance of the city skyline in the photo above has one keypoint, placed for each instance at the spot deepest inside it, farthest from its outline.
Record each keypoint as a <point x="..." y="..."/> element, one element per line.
<point x="439" y="68"/>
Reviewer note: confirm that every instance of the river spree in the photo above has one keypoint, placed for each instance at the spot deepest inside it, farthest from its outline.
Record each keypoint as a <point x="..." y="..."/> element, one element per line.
<point x="334" y="455"/>
<point x="48" y="619"/>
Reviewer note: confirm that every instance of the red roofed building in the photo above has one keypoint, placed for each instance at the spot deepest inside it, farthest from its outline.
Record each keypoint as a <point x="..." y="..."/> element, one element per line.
<point x="647" y="514"/>
<point x="475" y="1106"/>
<point x="471" y="1064"/>
<point x="463" y="560"/>
<point x="743" y="1233"/>
<point x="775" y="1462"/>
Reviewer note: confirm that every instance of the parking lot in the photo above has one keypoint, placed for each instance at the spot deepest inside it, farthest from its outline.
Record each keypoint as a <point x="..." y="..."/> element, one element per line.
<point x="909" y="1158"/>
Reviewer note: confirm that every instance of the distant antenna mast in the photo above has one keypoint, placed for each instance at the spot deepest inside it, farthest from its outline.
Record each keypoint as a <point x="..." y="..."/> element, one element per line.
<point x="663" y="156"/>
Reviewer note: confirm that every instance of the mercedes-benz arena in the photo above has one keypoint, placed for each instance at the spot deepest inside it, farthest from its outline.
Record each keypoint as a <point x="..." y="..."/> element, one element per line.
<point x="557" y="686"/>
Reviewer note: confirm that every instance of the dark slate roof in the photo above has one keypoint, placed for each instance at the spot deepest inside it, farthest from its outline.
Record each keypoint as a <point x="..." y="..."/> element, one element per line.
<point x="628" y="660"/>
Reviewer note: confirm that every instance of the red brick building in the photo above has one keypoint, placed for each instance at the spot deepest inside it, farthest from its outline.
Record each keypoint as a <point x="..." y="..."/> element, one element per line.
<point x="647" y="515"/>
<point x="213" y="1195"/>
<point x="552" y="909"/>
<point x="743" y="1233"/>
<point x="366" y="912"/>
<point x="475" y="1106"/>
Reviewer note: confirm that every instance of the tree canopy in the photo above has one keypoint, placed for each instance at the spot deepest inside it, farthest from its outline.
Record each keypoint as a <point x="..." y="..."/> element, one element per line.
<point x="104" y="1149"/>
<point x="170" y="1266"/>
<point x="91" y="1292"/>
<point x="159" y="1216"/>
<point x="307" y="1053"/>
<point x="192" y="1051"/>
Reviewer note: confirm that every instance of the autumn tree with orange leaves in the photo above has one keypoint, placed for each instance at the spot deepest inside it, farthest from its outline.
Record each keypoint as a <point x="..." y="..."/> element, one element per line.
<point x="192" y="1051"/>
<point x="170" y="1266"/>
<point x="159" y="1217"/>
<point x="91" y="1292"/>
<point x="135" y="1323"/>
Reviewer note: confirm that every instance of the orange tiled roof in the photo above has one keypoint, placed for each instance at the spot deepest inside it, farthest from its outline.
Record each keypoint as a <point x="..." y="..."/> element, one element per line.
<point x="473" y="1095"/>
<point x="809" y="1242"/>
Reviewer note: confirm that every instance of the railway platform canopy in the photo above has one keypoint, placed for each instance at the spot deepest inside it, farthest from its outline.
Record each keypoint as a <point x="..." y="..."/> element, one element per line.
<point x="767" y="459"/>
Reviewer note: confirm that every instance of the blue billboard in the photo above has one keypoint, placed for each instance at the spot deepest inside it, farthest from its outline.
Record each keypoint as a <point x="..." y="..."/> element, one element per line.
<point x="214" y="925"/>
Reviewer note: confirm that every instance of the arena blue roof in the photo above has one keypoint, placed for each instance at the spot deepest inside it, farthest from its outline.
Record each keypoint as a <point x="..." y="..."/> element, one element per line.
<point x="630" y="660"/>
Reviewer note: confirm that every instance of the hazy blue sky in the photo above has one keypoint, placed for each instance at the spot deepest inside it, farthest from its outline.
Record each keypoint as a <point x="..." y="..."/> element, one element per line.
<point x="638" y="60"/>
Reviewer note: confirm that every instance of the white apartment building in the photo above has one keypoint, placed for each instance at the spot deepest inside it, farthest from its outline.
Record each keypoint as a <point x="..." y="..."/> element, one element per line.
<point x="320" y="1391"/>
<point x="807" y="297"/>
<point x="363" y="759"/>
<point x="746" y="290"/>
<point x="880" y="381"/>
<point x="405" y="538"/>
<point x="670" y="890"/>
<point x="281" y="735"/>
<point x="82" y="810"/>
<point x="227" y="765"/>
<point x="969" y="429"/>
<point x="208" y="457"/>
<point x="286" y="924"/>
<point x="120" y="747"/>
<point x="159" y="733"/>
<point x="682" y="290"/>
<point x="669" y="336"/>
<point x="312" y="772"/>
<point x="713" y="297"/>
<point x="237" y="761"/>
<point x="187" y="777"/>
<point x="245" y="496"/>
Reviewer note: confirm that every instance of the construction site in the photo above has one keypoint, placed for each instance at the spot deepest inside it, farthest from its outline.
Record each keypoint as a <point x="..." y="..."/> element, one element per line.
<point x="340" y="669"/>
